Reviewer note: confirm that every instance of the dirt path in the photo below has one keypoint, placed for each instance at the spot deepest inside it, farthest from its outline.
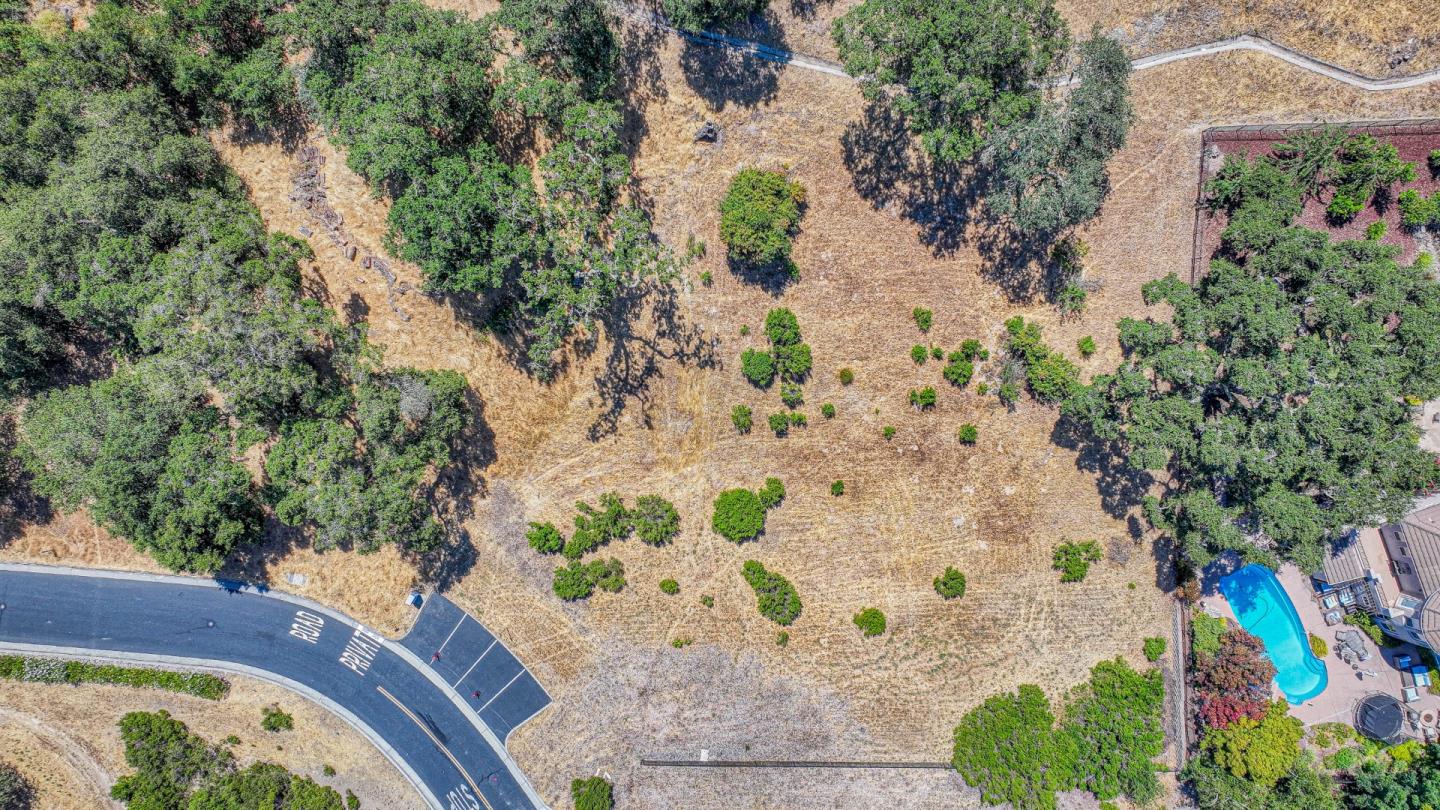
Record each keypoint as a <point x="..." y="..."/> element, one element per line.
<point x="1240" y="43"/>
<point x="97" y="781"/>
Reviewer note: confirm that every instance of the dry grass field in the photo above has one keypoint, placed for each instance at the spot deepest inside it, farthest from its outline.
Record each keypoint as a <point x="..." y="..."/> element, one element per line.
<point x="66" y="740"/>
<point x="651" y="414"/>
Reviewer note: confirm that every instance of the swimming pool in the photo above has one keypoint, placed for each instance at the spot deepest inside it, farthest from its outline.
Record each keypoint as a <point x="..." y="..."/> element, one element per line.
<point x="1263" y="608"/>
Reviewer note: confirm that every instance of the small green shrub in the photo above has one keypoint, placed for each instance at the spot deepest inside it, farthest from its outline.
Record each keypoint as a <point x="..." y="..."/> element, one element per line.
<point x="232" y="740"/>
<point x="958" y="371"/>
<point x="1008" y="393"/>
<point x="579" y="580"/>
<point x="937" y="353"/>
<point x="1417" y="210"/>
<point x="971" y="350"/>
<point x="779" y="422"/>
<point x="827" y="410"/>
<point x="597" y="527"/>
<point x="1205" y="632"/>
<point x="791" y="395"/>
<point x="870" y="621"/>
<point x="772" y="493"/>
<point x="1071" y="300"/>
<point x="1318" y="646"/>
<point x="758" y="367"/>
<point x="545" y="538"/>
<point x="837" y="488"/>
<point x="760" y="215"/>
<point x="888" y="432"/>
<point x="1368" y="627"/>
<point x="744" y="330"/>
<point x="655" y="520"/>
<point x="593" y="793"/>
<point x="782" y="638"/>
<point x="799" y="419"/>
<point x="1344" y="206"/>
<point x="708" y="601"/>
<point x="274" y="719"/>
<point x="741" y="418"/>
<point x="1345" y="759"/>
<point x="1073" y="560"/>
<point x="352" y="802"/>
<point x="1375" y="231"/>
<point x="775" y="597"/>
<point x="1154" y="647"/>
<point x="739" y="515"/>
<point x="706" y="278"/>
<point x="846" y="376"/>
<point x="968" y="433"/>
<point x="918" y="353"/>
<point x="923" y="399"/>
<point x="1086" y="346"/>
<point x="923" y="318"/>
<point x="950" y="584"/>
<point x="669" y="587"/>
<point x="328" y="770"/>
<point x="982" y="389"/>
<point x="681" y="642"/>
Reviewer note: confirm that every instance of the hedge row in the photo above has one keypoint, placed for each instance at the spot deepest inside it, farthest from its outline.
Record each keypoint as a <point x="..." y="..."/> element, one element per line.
<point x="54" y="670"/>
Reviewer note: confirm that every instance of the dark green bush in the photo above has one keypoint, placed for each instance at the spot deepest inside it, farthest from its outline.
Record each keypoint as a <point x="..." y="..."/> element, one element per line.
<point x="837" y="488"/>
<point x="924" y="318"/>
<point x="758" y="367"/>
<point x="950" y="584"/>
<point x="593" y="793"/>
<point x="971" y="350"/>
<point x="958" y="371"/>
<point x="760" y="215"/>
<point x="596" y="527"/>
<point x="846" y="376"/>
<point x="1071" y="299"/>
<point x="779" y="422"/>
<point x="772" y="493"/>
<point x="1086" y="346"/>
<point x="1050" y="375"/>
<point x="276" y="720"/>
<point x="923" y="399"/>
<point x="888" y="432"/>
<point x="937" y="353"/>
<point x="870" y="621"/>
<point x="918" y="353"/>
<point x="827" y="410"/>
<point x="739" y="515"/>
<point x="775" y="596"/>
<point x="968" y="433"/>
<point x="655" y="520"/>
<point x="669" y="587"/>
<point x="1073" y="559"/>
<point x="545" y="538"/>
<point x="1417" y="210"/>
<point x="740" y="417"/>
<point x="782" y="328"/>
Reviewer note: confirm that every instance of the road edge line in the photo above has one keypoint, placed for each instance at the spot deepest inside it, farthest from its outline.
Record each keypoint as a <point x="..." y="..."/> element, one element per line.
<point x="122" y="657"/>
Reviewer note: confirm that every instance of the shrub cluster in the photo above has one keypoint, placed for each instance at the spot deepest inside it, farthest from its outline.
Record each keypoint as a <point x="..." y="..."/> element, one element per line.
<point x="1230" y="674"/>
<point x="593" y="793"/>
<point x="1051" y="376"/>
<point x="924" y="318"/>
<point x="653" y="519"/>
<point x="950" y="584"/>
<point x="53" y="670"/>
<point x="1419" y="211"/>
<point x="740" y="417"/>
<point x="1154" y="648"/>
<point x="1073" y="560"/>
<point x="578" y="580"/>
<point x="1010" y="748"/>
<point x="923" y="399"/>
<point x="274" y="719"/>
<point x="788" y="358"/>
<point x="775" y="597"/>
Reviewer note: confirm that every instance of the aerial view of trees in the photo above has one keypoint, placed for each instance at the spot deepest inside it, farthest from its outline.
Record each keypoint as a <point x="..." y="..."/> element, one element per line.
<point x="410" y="92"/>
<point x="1012" y="750"/>
<point x="175" y="769"/>
<point x="1275" y="397"/>
<point x="122" y="230"/>
<point x="759" y="216"/>
<point x="775" y="598"/>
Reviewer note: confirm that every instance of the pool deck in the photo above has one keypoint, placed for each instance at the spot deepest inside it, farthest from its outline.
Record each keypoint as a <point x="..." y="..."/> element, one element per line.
<point x="1346" y="685"/>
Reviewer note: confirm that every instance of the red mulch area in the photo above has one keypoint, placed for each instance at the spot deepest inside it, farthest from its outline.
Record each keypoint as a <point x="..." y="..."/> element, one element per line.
<point x="1414" y="143"/>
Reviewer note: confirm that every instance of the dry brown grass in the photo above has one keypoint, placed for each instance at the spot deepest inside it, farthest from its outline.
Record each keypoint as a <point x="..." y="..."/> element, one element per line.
<point x="66" y="739"/>
<point x="912" y="505"/>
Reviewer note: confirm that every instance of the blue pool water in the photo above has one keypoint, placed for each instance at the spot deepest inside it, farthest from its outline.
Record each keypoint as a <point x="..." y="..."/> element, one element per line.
<point x="1263" y="608"/>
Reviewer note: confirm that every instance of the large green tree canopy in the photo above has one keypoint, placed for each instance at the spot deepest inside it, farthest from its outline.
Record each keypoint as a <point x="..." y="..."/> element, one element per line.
<point x="967" y="66"/>
<point x="1276" y="398"/>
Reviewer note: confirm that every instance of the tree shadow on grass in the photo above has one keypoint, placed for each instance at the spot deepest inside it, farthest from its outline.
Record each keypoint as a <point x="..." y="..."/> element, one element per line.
<point x="20" y="505"/>
<point x="772" y="277"/>
<point x="1121" y="486"/>
<point x="640" y="82"/>
<point x="725" y="75"/>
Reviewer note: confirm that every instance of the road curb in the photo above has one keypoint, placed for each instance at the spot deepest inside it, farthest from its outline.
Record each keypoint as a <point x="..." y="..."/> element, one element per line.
<point x="394" y="646"/>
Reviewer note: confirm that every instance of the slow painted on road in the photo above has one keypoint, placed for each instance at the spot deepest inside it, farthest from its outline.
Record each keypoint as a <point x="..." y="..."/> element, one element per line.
<point x="434" y="731"/>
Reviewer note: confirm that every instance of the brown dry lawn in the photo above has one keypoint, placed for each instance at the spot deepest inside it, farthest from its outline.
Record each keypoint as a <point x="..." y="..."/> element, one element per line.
<point x="655" y="418"/>
<point x="66" y="740"/>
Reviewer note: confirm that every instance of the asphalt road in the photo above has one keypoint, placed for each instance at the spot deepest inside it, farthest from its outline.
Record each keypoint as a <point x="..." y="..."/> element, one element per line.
<point x="423" y="721"/>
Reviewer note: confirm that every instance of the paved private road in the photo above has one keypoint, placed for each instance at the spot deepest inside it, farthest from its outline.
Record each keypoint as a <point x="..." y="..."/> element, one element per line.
<point x="433" y="722"/>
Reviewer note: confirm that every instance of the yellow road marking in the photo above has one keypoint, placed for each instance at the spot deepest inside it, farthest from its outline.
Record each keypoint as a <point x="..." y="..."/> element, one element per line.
<point x="438" y="744"/>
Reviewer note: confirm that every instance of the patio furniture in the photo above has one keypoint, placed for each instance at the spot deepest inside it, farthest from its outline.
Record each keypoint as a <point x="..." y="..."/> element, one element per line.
<point x="1332" y="618"/>
<point x="1411" y="694"/>
<point x="1328" y="602"/>
<point x="1402" y="662"/>
<point x="1422" y="676"/>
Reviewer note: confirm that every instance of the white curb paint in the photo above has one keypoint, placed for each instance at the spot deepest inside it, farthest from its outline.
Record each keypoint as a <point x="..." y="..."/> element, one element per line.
<point x="399" y="649"/>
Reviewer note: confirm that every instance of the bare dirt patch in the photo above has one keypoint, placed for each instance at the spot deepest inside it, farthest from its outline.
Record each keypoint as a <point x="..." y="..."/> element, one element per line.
<point x="68" y="739"/>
